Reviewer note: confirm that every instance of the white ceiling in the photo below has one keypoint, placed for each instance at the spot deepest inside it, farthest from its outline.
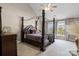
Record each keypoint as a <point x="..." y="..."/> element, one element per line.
<point x="64" y="10"/>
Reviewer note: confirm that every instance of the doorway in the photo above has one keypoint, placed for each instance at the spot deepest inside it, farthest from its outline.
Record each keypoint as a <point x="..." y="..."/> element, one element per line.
<point x="50" y="27"/>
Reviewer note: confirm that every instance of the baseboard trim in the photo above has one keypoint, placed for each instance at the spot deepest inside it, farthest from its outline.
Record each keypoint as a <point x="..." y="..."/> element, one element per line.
<point x="18" y="41"/>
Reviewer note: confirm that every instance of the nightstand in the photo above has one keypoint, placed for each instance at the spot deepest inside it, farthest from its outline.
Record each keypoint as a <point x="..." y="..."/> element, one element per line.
<point x="9" y="46"/>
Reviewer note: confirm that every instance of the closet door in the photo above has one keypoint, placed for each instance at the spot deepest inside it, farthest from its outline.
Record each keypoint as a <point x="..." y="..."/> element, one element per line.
<point x="0" y="34"/>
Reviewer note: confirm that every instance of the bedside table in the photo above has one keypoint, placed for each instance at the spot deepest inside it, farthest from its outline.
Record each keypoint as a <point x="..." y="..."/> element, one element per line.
<point x="9" y="46"/>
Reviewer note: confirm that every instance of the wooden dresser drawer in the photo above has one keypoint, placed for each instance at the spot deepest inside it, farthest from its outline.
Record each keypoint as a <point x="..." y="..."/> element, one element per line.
<point x="9" y="47"/>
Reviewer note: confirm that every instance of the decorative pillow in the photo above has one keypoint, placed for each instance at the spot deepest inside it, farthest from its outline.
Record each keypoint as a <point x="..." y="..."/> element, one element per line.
<point x="29" y="29"/>
<point x="33" y="30"/>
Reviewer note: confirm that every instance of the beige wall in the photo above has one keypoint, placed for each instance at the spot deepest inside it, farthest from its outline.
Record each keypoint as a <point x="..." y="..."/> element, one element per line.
<point x="11" y="16"/>
<point x="73" y="28"/>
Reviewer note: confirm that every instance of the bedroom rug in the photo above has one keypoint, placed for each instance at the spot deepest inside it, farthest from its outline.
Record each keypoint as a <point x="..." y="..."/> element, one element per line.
<point x="24" y="49"/>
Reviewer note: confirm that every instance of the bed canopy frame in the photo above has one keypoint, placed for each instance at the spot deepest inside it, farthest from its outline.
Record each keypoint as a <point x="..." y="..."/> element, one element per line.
<point x="43" y="29"/>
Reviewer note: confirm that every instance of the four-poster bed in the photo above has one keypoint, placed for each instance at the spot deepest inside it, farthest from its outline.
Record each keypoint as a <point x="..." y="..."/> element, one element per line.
<point x="39" y="40"/>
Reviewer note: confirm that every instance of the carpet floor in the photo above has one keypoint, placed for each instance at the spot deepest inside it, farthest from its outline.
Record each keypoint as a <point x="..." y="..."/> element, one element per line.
<point x="58" y="48"/>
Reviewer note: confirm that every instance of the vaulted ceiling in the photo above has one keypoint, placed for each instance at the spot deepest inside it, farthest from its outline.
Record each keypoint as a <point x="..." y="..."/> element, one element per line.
<point x="63" y="10"/>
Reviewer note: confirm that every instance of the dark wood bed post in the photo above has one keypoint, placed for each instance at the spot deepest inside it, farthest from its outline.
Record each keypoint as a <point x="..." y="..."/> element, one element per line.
<point x="53" y="29"/>
<point x="0" y="33"/>
<point x="22" y="32"/>
<point x="0" y="22"/>
<point x="43" y="30"/>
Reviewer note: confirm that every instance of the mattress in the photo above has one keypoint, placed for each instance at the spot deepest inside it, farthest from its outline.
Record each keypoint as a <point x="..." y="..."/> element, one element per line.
<point x="36" y="37"/>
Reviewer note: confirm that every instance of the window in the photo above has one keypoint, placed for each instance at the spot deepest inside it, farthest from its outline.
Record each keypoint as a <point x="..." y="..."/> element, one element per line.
<point x="60" y="28"/>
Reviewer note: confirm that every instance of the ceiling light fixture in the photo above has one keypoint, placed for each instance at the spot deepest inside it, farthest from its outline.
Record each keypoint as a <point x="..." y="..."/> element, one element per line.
<point x="48" y="7"/>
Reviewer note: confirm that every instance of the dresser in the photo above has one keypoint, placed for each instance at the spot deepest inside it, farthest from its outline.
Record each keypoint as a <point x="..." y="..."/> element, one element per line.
<point x="9" y="46"/>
